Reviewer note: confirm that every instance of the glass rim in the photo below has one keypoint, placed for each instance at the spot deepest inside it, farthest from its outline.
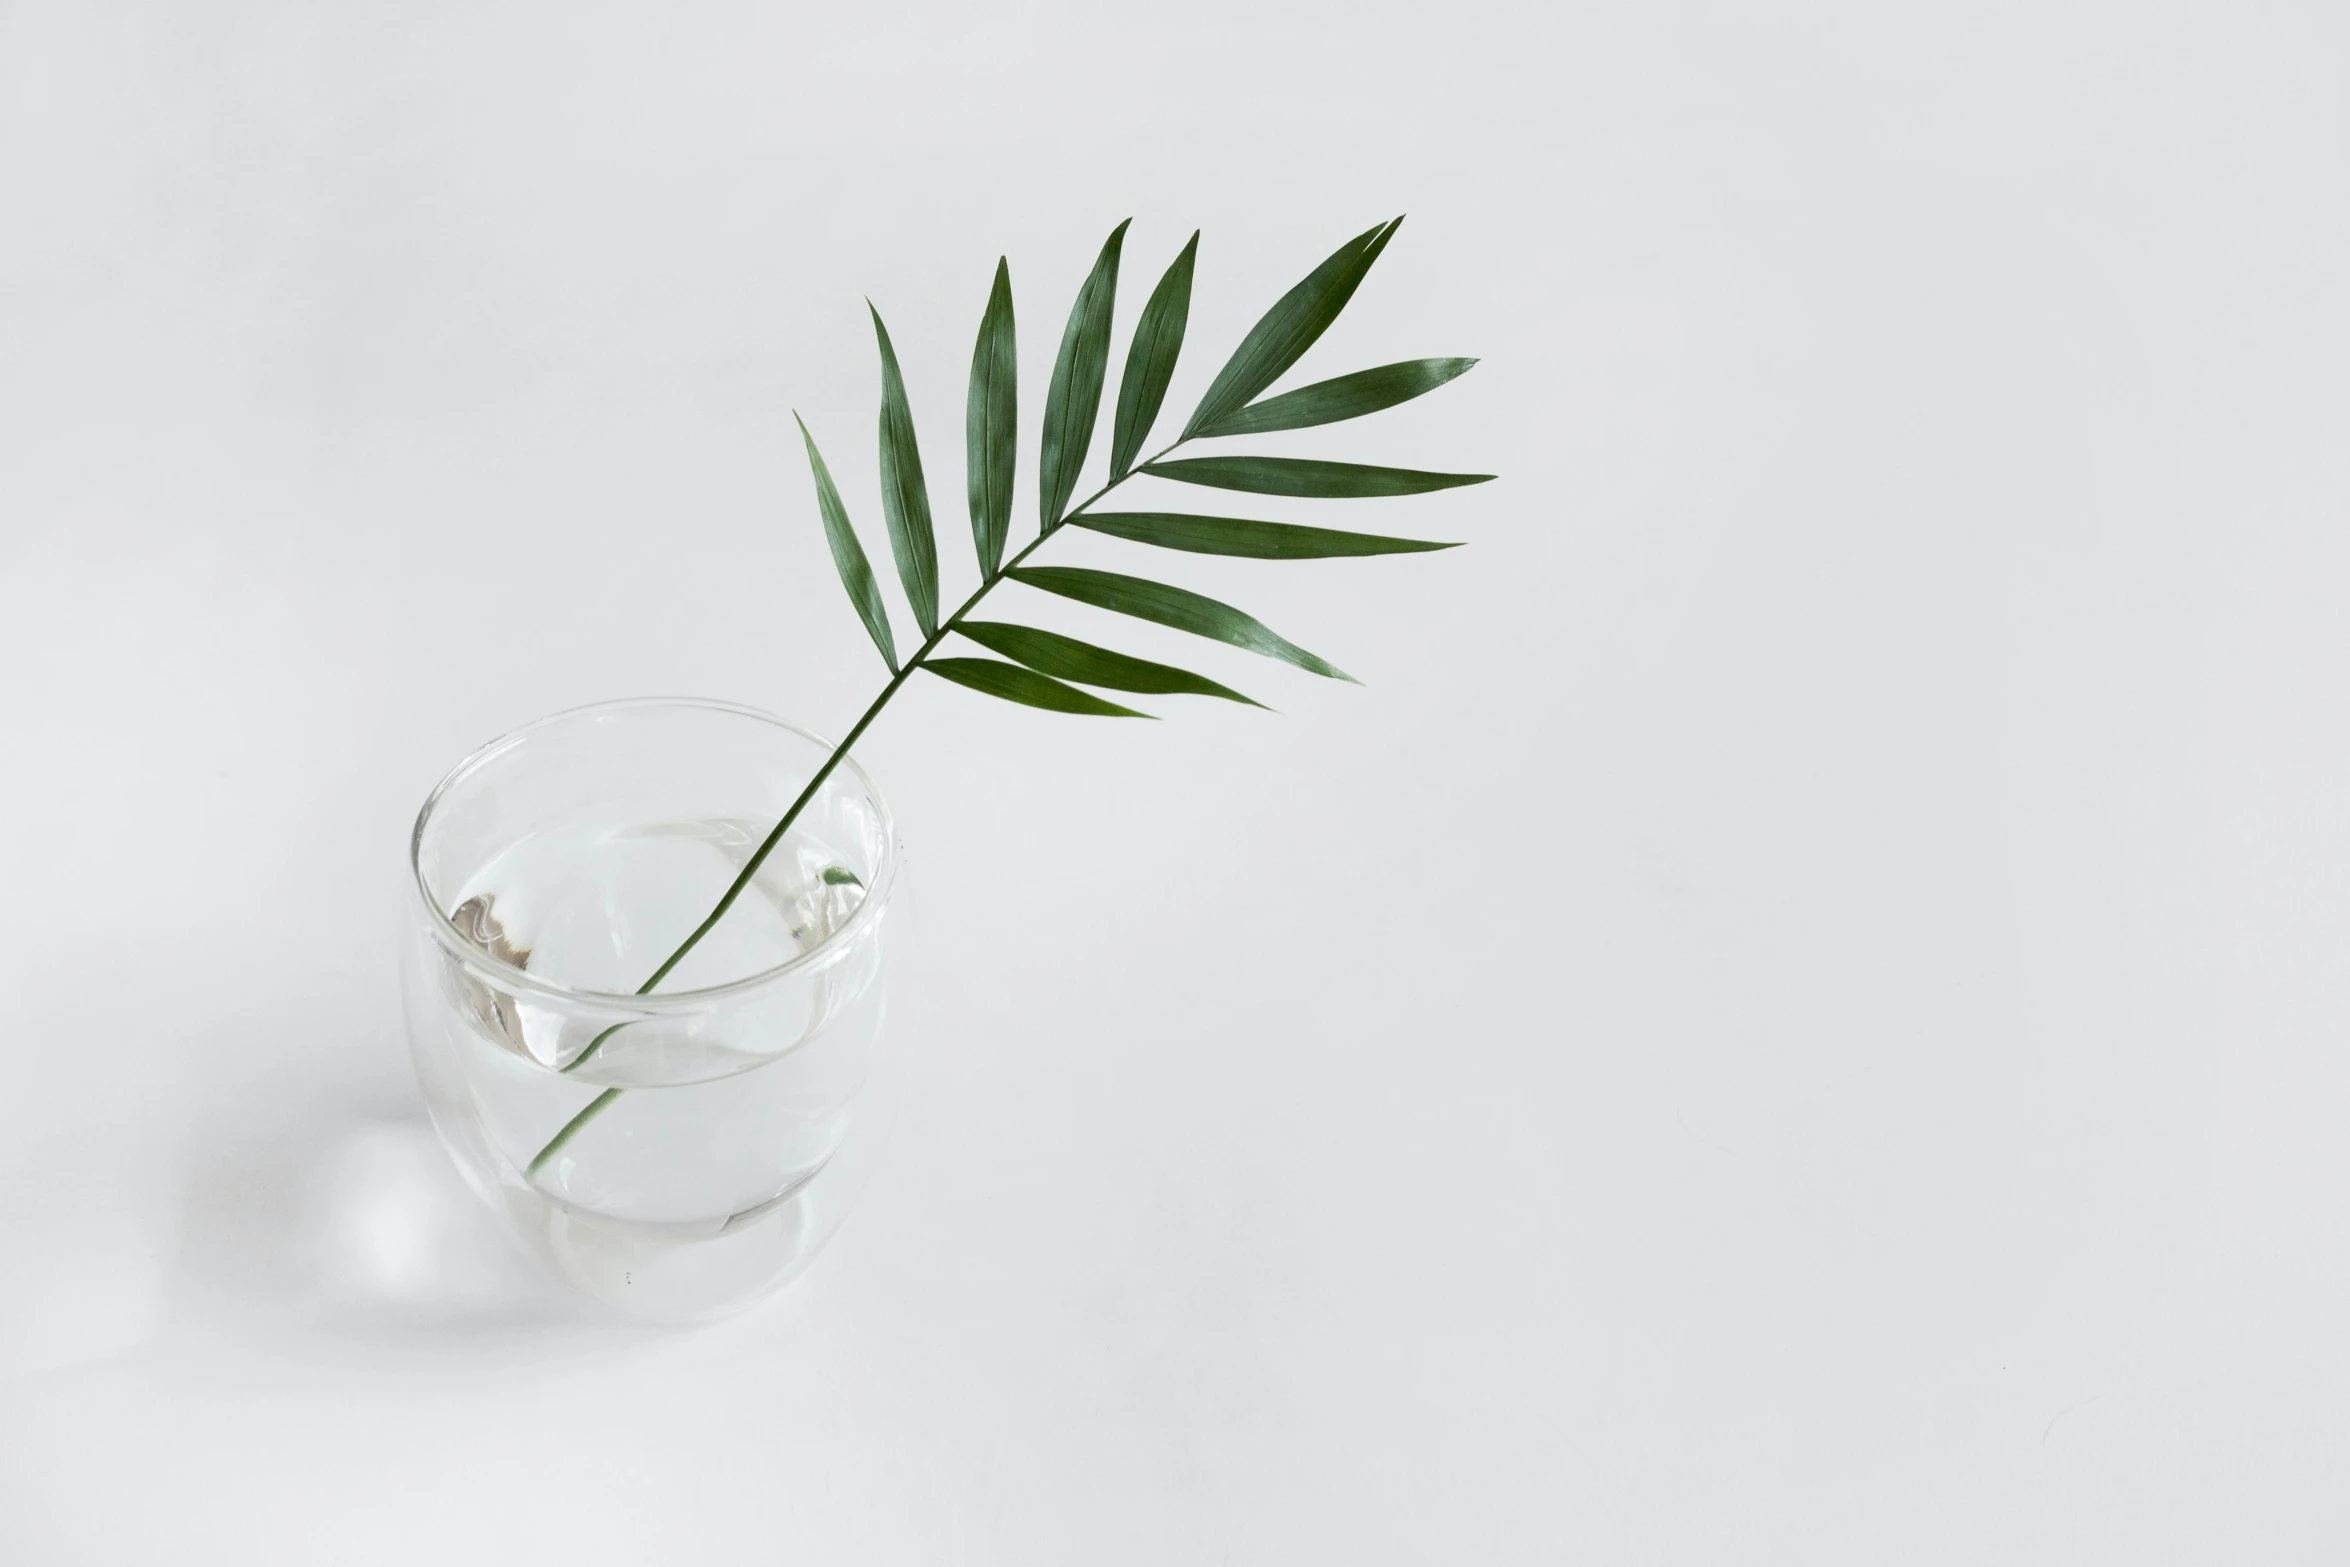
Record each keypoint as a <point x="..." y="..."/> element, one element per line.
<point x="445" y="931"/>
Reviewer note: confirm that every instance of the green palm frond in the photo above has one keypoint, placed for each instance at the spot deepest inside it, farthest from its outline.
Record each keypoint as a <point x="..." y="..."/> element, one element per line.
<point x="1048" y="670"/>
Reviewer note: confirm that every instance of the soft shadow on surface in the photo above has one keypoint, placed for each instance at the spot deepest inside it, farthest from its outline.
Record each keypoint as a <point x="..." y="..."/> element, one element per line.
<point x="87" y="1244"/>
<point x="366" y="1228"/>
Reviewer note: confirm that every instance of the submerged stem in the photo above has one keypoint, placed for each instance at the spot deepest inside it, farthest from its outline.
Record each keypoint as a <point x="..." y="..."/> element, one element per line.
<point x="603" y="1101"/>
<point x="595" y="1107"/>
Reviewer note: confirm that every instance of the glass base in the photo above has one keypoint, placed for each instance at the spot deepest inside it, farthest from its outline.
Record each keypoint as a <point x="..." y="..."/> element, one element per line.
<point x="667" y="1277"/>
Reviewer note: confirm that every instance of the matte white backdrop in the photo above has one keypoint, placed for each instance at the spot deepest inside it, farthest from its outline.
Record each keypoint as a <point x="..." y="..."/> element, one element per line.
<point x="1796" y="1018"/>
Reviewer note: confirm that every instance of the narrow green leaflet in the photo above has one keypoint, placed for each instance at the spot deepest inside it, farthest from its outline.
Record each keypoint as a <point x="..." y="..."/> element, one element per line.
<point x="1307" y="476"/>
<point x="1074" y="400"/>
<point x="840" y="876"/>
<point x="1025" y="686"/>
<point x="1345" y="397"/>
<point x="1150" y="363"/>
<point x="905" y="500"/>
<point x="1290" y="327"/>
<point x="848" y="556"/>
<point x="1176" y="607"/>
<point x="991" y="417"/>
<point x="1241" y="536"/>
<point x="1066" y="658"/>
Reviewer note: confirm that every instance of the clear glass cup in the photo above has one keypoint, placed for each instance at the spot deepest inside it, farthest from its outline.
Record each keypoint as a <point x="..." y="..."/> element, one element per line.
<point x="680" y="1154"/>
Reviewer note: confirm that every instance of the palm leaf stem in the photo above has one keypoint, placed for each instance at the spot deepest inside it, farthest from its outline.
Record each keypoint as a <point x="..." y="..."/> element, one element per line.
<point x="750" y="870"/>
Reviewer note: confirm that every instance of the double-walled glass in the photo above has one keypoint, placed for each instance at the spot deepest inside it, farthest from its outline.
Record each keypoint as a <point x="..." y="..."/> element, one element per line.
<point x="682" y="1153"/>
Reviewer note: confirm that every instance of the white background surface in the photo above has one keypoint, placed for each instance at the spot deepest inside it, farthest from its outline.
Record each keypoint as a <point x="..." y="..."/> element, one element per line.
<point x="1797" y="1019"/>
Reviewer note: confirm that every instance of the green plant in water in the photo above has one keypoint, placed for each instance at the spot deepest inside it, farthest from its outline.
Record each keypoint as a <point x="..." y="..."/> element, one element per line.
<point x="1044" y="668"/>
